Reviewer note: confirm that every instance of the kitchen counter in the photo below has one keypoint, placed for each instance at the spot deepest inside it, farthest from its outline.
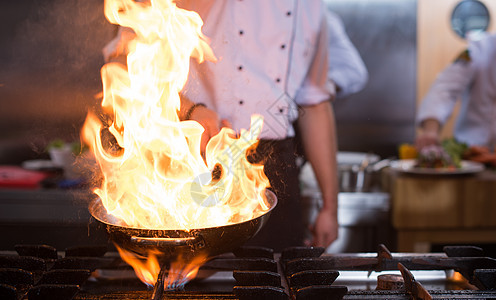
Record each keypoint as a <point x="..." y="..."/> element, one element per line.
<point x="443" y="209"/>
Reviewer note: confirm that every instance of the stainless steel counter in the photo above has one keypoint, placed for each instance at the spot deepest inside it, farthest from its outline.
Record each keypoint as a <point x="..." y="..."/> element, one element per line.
<point x="364" y="220"/>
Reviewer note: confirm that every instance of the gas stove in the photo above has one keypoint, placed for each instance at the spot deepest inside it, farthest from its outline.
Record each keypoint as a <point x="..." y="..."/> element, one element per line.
<point x="93" y="272"/>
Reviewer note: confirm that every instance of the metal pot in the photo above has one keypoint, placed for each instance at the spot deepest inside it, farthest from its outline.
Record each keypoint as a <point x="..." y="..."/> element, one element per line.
<point x="170" y="244"/>
<point x="354" y="179"/>
<point x="358" y="171"/>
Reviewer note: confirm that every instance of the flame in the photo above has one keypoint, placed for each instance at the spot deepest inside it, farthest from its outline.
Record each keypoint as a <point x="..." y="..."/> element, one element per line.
<point x="153" y="174"/>
<point x="147" y="271"/>
<point x="458" y="277"/>
<point x="178" y="274"/>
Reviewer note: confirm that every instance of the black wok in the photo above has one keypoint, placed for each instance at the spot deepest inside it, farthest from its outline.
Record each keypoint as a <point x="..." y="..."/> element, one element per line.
<point x="171" y="244"/>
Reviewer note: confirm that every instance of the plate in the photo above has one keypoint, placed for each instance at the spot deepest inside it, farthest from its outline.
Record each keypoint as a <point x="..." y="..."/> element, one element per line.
<point x="408" y="166"/>
<point x="38" y="164"/>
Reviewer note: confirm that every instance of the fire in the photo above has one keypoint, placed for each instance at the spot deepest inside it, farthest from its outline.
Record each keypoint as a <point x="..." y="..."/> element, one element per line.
<point x="153" y="175"/>
<point x="157" y="178"/>
<point x="178" y="273"/>
<point x="458" y="277"/>
<point x="147" y="271"/>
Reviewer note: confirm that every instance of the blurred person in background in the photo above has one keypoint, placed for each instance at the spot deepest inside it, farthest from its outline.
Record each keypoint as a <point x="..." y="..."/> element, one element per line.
<point x="471" y="78"/>
<point x="347" y="75"/>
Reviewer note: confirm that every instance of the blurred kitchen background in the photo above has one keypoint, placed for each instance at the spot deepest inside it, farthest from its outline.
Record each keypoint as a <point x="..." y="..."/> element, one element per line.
<point x="381" y="116"/>
<point x="50" y="74"/>
<point x="49" y="77"/>
<point x="51" y="57"/>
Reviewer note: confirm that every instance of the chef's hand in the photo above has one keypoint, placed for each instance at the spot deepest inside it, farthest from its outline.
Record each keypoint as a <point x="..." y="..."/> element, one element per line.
<point x="429" y="134"/>
<point x="480" y="154"/>
<point x="325" y="229"/>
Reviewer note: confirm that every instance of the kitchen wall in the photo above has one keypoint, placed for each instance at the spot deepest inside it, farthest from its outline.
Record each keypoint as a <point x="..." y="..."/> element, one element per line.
<point x="50" y="62"/>
<point x="381" y="116"/>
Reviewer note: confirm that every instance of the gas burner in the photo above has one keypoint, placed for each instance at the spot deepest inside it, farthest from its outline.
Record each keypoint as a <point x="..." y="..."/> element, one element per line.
<point x="42" y="272"/>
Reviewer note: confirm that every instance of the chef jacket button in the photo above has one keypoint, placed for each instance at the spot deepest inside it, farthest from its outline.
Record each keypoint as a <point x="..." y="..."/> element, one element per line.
<point x="240" y="68"/>
<point x="283" y="46"/>
<point x="241" y="102"/>
<point x="278" y="79"/>
<point x="288" y="13"/>
<point x="241" y="32"/>
<point x="281" y="110"/>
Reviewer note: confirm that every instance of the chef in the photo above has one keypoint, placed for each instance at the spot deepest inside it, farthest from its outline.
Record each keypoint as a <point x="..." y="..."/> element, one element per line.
<point x="471" y="77"/>
<point x="272" y="61"/>
<point x="347" y="75"/>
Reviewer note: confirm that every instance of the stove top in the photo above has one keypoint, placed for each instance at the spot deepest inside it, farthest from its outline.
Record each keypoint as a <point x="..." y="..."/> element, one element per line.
<point x="93" y="272"/>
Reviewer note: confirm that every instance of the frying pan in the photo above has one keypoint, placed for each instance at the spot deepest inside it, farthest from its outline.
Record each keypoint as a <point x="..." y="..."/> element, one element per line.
<point x="171" y="244"/>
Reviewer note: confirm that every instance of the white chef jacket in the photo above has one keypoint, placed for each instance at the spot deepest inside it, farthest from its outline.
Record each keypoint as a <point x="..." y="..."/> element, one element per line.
<point x="475" y="81"/>
<point x="272" y="57"/>
<point x="346" y="67"/>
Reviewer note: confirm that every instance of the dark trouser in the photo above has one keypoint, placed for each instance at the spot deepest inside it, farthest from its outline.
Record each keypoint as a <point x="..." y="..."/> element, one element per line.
<point x="285" y="225"/>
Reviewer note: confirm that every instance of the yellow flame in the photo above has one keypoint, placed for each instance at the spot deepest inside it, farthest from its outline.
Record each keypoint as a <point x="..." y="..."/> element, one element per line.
<point x="157" y="178"/>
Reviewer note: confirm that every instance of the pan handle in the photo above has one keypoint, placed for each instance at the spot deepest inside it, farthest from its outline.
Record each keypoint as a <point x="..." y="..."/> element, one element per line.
<point x="164" y="242"/>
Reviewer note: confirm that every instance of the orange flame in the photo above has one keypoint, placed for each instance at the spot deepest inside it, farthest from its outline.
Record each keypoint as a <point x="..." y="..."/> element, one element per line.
<point x="458" y="277"/>
<point x="179" y="273"/>
<point x="158" y="178"/>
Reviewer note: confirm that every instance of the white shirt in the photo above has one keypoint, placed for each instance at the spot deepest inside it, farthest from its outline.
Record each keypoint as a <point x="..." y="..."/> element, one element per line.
<point x="272" y="57"/>
<point x="346" y="67"/>
<point x="475" y="82"/>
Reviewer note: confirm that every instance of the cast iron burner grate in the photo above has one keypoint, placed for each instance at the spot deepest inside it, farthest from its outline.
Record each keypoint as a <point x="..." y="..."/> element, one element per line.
<point x="42" y="272"/>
